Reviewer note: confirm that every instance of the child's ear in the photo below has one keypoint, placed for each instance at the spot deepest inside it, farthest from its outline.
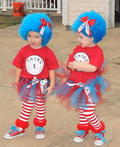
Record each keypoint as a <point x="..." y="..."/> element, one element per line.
<point x="92" y="39"/>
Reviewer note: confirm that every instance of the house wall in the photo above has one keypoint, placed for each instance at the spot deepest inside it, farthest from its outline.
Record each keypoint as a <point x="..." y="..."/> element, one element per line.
<point x="75" y="7"/>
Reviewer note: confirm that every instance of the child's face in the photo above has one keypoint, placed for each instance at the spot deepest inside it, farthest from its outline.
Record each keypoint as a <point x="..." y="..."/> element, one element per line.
<point x="85" y="41"/>
<point x="34" y="39"/>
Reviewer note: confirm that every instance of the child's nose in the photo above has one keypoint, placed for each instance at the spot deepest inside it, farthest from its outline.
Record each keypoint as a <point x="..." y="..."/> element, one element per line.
<point x="32" y="39"/>
<point x="79" y="39"/>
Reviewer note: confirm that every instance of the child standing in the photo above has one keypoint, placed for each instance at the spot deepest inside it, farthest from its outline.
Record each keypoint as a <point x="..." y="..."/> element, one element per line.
<point x="83" y="90"/>
<point x="35" y="73"/>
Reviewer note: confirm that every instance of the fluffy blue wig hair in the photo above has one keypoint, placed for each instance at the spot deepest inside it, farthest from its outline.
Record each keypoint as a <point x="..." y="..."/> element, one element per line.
<point x="36" y="22"/>
<point x="98" y="29"/>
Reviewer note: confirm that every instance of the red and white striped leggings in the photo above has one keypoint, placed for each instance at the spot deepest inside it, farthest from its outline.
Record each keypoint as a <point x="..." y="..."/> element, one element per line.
<point x="88" y="116"/>
<point x="28" y="106"/>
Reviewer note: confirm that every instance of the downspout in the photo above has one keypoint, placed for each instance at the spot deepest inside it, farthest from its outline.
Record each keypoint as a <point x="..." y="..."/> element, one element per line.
<point x="65" y="12"/>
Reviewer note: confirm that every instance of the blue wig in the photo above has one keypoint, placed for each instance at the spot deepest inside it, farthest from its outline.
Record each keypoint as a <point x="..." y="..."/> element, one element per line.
<point x="37" y="22"/>
<point x="97" y="27"/>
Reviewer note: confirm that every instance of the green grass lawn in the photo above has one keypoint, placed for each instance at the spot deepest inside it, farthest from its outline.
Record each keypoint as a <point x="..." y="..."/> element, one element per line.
<point x="6" y="21"/>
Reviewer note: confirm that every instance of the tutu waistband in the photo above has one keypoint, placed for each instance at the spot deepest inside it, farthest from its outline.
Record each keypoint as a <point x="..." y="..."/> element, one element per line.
<point x="84" y="87"/>
<point x="30" y="89"/>
<point x="79" y="94"/>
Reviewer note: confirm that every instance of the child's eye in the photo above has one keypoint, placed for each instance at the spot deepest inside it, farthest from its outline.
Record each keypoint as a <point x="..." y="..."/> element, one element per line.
<point x="80" y="37"/>
<point x="37" y="36"/>
<point x="29" y="35"/>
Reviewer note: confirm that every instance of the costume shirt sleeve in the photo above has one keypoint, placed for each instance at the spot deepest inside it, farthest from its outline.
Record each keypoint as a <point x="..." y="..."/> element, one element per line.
<point x="97" y="59"/>
<point x="18" y="60"/>
<point x="52" y="61"/>
<point x="71" y="57"/>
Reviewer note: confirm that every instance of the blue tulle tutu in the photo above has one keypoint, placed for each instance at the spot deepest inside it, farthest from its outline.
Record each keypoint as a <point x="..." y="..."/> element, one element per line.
<point x="30" y="89"/>
<point x="79" y="94"/>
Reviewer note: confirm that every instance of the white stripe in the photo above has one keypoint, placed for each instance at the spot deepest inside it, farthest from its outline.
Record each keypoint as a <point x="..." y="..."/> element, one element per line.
<point x="24" y="116"/>
<point x="84" y="123"/>
<point x="90" y="104"/>
<point x="30" y="108"/>
<point x="30" y="101"/>
<point x="23" y="119"/>
<point x="41" y="102"/>
<point x="25" y="113"/>
<point x="87" y="113"/>
<point x="40" y="111"/>
<point x="40" y="114"/>
<point x="96" y="124"/>
<point x="91" y="116"/>
<point x="37" y="108"/>
<point x="89" y="108"/>
<point x="95" y="117"/>
<point x="28" y="104"/>
<point x="40" y="118"/>
<point x="40" y="106"/>
<point x="26" y="110"/>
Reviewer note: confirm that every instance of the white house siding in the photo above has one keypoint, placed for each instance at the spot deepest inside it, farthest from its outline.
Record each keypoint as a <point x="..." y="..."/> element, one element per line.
<point x="75" y="7"/>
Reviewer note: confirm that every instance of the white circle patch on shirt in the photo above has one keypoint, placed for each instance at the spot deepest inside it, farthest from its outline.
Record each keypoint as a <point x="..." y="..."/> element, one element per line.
<point x="81" y="56"/>
<point x="34" y="64"/>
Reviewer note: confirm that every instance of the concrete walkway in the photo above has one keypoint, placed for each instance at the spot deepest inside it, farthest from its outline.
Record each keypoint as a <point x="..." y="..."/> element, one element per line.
<point x="61" y="123"/>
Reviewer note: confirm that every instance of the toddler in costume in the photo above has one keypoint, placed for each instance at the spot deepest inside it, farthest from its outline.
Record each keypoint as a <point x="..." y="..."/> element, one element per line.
<point x="85" y="85"/>
<point x="35" y="73"/>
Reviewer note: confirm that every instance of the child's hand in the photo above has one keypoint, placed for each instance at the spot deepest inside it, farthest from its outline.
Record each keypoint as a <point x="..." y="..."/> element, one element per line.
<point x="48" y="90"/>
<point x="82" y="66"/>
<point x="17" y="87"/>
<point x="72" y="65"/>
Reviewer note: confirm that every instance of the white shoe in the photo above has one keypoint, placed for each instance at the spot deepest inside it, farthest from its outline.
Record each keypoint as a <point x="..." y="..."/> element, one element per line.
<point x="40" y="133"/>
<point x="14" y="133"/>
<point x="80" y="136"/>
<point x="99" y="138"/>
<point x="40" y="136"/>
